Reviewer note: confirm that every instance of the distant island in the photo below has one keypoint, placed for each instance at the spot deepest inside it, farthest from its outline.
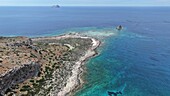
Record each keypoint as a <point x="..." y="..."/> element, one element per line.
<point x="56" y="6"/>
<point x="43" y="66"/>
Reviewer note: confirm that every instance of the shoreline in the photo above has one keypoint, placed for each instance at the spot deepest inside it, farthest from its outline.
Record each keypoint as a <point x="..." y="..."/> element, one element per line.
<point x="75" y="81"/>
<point x="71" y="81"/>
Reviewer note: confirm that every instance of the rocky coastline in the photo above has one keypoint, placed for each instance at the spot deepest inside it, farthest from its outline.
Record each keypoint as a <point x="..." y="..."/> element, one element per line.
<point x="75" y="80"/>
<point x="55" y="62"/>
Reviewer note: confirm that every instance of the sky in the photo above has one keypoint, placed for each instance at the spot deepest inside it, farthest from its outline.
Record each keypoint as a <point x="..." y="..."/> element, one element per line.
<point x="85" y="2"/>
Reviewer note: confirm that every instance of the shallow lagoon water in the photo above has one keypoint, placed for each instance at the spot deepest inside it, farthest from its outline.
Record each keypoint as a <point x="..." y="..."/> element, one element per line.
<point x="129" y="63"/>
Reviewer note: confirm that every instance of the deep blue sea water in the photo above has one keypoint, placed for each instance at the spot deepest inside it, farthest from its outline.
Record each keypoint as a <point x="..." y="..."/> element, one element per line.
<point x="135" y="61"/>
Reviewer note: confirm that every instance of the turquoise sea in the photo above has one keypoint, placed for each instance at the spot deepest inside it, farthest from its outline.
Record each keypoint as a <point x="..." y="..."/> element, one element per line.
<point x="134" y="61"/>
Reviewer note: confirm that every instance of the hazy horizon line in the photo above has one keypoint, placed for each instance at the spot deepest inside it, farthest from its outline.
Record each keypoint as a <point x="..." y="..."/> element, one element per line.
<point x="81" y="6"/>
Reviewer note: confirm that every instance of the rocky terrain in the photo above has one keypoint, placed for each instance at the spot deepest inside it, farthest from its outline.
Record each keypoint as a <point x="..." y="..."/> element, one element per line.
<point x="40" y="66"/>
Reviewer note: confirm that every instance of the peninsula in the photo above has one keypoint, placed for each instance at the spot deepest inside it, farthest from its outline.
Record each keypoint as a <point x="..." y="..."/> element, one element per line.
<point x="43" y="66"/>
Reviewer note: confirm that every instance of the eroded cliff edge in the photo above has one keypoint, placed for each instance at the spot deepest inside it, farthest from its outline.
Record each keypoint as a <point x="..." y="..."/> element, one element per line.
<point x="18" y="75"/>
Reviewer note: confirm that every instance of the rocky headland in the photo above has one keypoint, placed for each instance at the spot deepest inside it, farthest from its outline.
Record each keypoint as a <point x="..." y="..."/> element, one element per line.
<point x="43" y="66"/>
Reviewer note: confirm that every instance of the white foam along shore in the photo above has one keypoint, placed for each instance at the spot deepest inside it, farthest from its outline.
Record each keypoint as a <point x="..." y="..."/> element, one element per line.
<point x="74" y="80"/>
